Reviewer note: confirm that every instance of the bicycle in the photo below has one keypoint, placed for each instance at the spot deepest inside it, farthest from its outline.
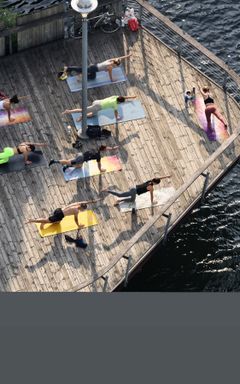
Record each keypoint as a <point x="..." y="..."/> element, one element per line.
<point x="107" y="22"/>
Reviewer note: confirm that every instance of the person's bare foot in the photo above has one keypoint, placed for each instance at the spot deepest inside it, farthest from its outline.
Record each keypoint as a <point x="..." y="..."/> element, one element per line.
<point x="42" y="226"/>
<point x="11" y="119"/>
<point x="81" y="226"/>
<point x="103" y="170"/>
<point x="79" y="119"/>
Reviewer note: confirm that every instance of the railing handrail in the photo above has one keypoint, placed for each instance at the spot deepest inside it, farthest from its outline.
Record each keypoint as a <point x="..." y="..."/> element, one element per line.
<point x="189" y="39"/>
<point x="154" y="218"/>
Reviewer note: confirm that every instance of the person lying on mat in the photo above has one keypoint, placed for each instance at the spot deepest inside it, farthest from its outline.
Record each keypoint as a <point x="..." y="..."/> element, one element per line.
<point x="22" y="149"/>
<point x="78" y="161"/>
<point x="60" y="213"/>
<point x="6" y="105"/>
<point x="130" y="196"/>
<point x="98" y="105"/>
<point x="211" y="107"/>
<point x="106" y="66"/>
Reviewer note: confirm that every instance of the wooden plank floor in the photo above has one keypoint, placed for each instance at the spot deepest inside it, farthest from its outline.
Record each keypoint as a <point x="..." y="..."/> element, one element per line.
<point x="168" y="141"/>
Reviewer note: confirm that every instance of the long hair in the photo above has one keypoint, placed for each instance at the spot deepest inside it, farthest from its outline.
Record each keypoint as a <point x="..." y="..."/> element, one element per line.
<point x="14" y="99"/>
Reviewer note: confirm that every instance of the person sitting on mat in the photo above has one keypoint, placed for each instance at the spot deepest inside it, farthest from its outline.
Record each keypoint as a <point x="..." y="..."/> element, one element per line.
<point x="211" y="108"/>
<point x="78" y="161"/>
<point x="60" y="213"/>
<point x="22" y="149"/>
<point x="106" y="66"/>
<point x="99" y="105"/>
<point x="130" y="196"/>
<point x="6" y="104"/>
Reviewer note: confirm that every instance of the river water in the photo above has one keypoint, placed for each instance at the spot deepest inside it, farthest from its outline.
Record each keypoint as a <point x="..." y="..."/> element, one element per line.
<point x="203" y="253"/>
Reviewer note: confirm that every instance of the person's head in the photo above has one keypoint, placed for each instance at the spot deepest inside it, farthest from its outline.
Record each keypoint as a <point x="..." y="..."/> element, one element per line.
<point x="121" y="99"/>
<point x="31" y="148"/>
<point x="83" y="206"/>
<point x="205" y="89"/>
<point x="102" y="148"/>
<point x="156" y="180"/>
<point x="14" y="100"/>
<point x="117" y="62"/>
<point x="188" y="93"/>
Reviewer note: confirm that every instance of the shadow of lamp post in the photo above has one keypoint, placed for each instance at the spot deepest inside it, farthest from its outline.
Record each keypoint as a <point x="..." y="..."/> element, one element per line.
<point x="84" y="7"/>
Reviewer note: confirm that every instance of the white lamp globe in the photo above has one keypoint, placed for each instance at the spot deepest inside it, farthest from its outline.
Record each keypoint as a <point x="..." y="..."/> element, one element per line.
<point x="84" y="6"/>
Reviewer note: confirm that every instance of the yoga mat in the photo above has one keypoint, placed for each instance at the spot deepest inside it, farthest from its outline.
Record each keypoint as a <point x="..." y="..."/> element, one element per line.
<point x="130" y="110"/>
<point x="20" y="115"/>
<point x="88" y="218"/>
<point x="161" y="196"/>
<point x="219" y="132"/>
<point x="102" y="78"/>
<point x="16" y="163"/>
<point x="90" y="168"/>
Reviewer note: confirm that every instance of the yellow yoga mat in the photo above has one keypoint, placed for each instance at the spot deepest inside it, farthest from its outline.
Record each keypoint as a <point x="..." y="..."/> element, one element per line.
<point x="88" y="218"/>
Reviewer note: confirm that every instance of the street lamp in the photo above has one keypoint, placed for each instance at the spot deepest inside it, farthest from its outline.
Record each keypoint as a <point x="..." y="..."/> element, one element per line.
<point x="84" y="7"/>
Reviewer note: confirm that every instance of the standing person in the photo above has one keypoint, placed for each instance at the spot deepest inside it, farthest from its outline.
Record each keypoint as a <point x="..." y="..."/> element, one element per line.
<point x="78" y="161"/>
<point x="99" y="105"/>
<point x="210" y="108"/>
<point x="6" y="104"/>
<point x="106" y="66"/>
<point x="130" y="196"/>
<point x="22" y="149"/>
<point x="59" y="213"/>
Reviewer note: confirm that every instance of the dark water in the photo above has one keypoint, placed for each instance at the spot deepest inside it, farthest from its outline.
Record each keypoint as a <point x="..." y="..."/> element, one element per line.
<point x="203" y="254"/>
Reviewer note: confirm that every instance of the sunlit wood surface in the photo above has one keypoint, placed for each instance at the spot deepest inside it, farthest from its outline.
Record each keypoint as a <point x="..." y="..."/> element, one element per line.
<point x="168" y="141"/>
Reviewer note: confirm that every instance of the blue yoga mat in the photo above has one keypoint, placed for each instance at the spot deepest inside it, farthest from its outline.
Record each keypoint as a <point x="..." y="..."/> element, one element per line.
<point x="102" y="78"/>
<point x="130" y="110"/>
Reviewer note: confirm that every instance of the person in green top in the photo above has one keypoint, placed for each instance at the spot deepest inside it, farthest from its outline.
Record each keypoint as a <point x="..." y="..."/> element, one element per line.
<point x="98" y="105"/>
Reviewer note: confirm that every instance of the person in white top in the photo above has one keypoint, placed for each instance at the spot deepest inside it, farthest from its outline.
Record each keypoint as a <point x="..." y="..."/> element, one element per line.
<point x="6" y="104"/>
<point x="106" y="66"/>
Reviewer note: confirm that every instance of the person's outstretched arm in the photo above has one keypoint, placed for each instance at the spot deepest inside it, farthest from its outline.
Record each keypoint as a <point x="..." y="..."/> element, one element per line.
<point x="129" y="97"/>
<point x="110" y="72"/>
<point x="165" y="177"/>
<point x="121" y="57"/>
<point x="35" y="144"/>
<point x="116" y="114"/>
<point x="67" y="111"/>
<point x="200" y="89"/>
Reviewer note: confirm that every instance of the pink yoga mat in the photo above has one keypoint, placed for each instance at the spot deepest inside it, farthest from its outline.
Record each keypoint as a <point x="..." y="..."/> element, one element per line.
<point x="20" y="115"/>
<point x="219" y="132"/>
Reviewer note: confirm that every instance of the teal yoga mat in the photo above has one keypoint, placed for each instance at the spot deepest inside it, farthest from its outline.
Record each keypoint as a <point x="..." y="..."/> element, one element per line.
<point x="130" y="110"/>
<point x="102" y="78"/>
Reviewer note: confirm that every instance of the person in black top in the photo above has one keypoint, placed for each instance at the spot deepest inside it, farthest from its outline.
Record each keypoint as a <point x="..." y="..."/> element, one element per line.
<point x="211" y="107"/>
<point x="78" y="161"/>
<point x="130" y="196"/>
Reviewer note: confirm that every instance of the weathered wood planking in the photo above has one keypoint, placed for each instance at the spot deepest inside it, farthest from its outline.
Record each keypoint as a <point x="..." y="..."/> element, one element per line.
<point x="167" y="141"/>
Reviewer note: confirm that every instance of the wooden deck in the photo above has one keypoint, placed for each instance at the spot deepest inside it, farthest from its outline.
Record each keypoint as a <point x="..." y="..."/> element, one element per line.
<point x="167" y="141"/>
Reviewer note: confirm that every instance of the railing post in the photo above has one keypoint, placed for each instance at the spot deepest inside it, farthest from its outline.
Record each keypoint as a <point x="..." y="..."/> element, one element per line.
<point x="206" y="175"/>
<point x="169" y="216"/>
<point x="179" y="48"/>
<point x="129" y="259"/>
<point x="105" y="283"/>
<point x="140" y="13"/>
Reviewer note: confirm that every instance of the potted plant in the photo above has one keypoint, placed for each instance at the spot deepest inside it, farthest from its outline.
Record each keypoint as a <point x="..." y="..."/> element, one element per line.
<point x="7" y="18"/>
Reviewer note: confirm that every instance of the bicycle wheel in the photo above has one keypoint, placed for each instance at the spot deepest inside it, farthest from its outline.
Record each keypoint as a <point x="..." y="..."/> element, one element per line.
<point x="111" y="24"/>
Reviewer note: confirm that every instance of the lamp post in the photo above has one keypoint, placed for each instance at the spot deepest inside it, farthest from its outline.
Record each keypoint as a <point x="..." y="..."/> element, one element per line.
<point x="84" y="7"/>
